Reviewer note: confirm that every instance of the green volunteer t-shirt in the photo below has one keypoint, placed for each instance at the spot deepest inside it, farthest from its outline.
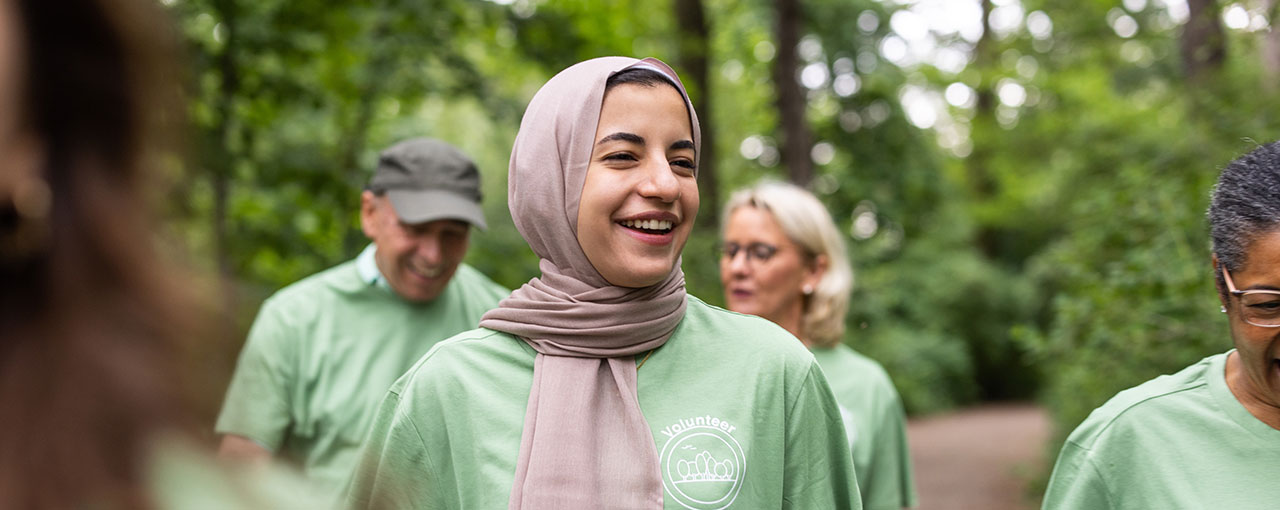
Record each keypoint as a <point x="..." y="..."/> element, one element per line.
<point x="741" y="417"/>
<point x="1178" y="441"/>
<point x="322" y="353"/>
<point x="875" y="424"/>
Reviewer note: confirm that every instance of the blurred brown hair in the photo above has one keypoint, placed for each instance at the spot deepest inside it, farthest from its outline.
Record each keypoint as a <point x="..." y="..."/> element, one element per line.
<point x="88" y="313"/>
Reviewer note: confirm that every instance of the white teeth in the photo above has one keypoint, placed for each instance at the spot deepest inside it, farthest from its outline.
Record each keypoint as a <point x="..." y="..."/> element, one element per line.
<point x="648" y="224"/>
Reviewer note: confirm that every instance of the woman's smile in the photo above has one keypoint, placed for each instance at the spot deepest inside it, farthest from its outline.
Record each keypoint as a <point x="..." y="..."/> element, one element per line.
<point x="656" y="228"/>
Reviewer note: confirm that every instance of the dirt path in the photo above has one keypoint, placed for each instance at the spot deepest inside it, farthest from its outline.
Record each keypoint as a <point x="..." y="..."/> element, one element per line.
<point x="979" y="458"/>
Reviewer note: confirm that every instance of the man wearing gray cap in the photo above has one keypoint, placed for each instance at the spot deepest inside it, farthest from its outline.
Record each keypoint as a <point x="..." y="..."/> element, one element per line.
<point x="323" y="351"/>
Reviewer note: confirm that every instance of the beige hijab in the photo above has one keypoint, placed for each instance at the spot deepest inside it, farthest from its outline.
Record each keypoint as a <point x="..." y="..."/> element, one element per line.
<point x="585" y="442"/>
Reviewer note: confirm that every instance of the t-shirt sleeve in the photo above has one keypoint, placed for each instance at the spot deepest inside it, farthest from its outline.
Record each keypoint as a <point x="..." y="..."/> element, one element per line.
<point x="394" y="469"/>
<point x="257" y="405"/>
<point x="890" y="485"/>
<point x="1076" y="482"/>
<point x="818" y="465"/>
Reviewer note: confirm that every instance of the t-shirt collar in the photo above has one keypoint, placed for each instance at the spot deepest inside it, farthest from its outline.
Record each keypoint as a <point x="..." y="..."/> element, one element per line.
<point x="1231" y="405"/>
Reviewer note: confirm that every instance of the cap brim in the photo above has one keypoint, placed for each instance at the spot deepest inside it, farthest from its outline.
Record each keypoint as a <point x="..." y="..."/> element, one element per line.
<point x="421" y="206"/>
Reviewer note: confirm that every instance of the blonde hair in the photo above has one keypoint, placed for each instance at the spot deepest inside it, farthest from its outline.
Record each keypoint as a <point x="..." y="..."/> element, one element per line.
<point x="806" y="222"/>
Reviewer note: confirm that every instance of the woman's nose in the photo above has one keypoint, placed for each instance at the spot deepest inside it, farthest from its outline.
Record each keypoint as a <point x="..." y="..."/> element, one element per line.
<point x="660" y="180"/>
<point x="740" y="262"/>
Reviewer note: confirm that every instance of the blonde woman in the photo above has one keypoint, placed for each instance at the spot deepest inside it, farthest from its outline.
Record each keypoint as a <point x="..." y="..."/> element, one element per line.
<point x="783" y="259"/>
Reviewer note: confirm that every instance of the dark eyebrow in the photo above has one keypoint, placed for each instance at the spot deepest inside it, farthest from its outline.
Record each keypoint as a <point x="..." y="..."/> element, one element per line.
<point x="625" y="137"/>
<point x="682" y="144"/>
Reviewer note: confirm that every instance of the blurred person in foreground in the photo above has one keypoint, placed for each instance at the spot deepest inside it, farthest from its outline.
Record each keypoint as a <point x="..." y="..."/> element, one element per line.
<point x="1209" y="435"/>
<point x="783" y="259"/>
<point x="323" y="351"/>
<point x="92" y="407"/>
<point x="602" y="383"/>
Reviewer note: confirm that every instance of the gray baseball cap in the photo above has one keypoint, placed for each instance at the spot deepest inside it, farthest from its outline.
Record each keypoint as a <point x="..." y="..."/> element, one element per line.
<point x="427" y="179"/>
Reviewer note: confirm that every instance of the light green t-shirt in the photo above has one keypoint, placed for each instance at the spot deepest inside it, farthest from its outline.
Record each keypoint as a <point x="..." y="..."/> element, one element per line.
<point x="1178" y="441"/>
<point x="734" y="393"/>
<point x="322" y="353"/>
<point x="875" y="424"/>
<point x="182" y="476"/>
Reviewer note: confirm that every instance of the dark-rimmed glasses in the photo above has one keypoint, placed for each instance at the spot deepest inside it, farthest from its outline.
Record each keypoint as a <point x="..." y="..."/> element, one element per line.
<point x="1260" y="307"/>
<point x="760" y="252"/>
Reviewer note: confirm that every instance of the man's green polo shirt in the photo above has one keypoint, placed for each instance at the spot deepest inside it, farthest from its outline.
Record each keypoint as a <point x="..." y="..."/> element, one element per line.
<point x="322" y="353"/>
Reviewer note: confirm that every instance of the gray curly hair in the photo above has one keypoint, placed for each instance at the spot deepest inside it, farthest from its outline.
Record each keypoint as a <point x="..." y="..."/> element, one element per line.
<point x="1245" y="204"/>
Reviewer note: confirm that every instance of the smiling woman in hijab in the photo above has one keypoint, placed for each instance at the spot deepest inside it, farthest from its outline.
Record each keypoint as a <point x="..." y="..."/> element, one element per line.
<point x="601" y="383"/>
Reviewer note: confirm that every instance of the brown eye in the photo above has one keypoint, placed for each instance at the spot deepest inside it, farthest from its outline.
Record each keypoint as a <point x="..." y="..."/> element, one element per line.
<point x="620" y="156"/>
<point x="1265" y="306"/>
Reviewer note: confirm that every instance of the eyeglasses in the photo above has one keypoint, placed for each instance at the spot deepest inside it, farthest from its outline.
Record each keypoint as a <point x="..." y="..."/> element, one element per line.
<point x="760" y="252"/>
<point x="1259" y="307"/>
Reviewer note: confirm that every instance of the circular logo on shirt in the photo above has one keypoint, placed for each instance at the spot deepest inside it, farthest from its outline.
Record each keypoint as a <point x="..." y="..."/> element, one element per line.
<point x="702" y="464"/>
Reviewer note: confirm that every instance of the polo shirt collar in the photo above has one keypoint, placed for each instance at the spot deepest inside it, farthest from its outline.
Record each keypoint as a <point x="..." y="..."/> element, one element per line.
<point x="367" y="267"/>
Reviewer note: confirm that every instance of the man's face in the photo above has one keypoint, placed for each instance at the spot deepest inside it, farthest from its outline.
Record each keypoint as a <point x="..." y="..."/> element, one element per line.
<point x="416" y="259"/>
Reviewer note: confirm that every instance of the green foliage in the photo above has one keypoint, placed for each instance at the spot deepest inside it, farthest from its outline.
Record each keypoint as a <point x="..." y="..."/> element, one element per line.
<point x="1132" y="150"/>
<point x="1061" y="247"/>
<point x="292" y="100"/>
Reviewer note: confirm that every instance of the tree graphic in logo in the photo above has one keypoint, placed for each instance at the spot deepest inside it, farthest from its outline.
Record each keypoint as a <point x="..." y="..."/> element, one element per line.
<point x="702" y="468"/>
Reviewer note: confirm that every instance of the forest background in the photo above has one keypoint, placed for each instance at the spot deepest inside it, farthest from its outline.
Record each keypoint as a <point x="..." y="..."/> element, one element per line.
<point x="1022" y="182"/>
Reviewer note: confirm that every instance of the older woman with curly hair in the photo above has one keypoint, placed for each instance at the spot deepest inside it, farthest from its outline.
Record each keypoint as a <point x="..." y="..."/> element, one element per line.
<point x="1209" y="435"/>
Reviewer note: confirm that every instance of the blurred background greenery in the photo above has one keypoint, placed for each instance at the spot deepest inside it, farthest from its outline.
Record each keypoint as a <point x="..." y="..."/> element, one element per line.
<point x="1023" y="182"/>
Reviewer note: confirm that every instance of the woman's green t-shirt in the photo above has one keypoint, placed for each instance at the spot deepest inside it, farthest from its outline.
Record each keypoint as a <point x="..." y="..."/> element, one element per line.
<point x="741" y="416"/>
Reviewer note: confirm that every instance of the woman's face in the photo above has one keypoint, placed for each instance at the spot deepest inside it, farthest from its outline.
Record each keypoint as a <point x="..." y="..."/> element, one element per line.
<point x="771" y="287"/>
<point x="640" y="196"/>
<point x="1258" y="348"/>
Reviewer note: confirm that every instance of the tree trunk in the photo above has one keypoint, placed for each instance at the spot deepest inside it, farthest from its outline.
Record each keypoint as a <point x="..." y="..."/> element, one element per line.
<point x="229" y="86"/>
<point x="790" y="101"/>
<point x="356" y="135"/>
<point x="1204" y="44"/>
<point x="694" y="43"/>
<point x="1271" y="47"/>
<point x="982" y="186"/>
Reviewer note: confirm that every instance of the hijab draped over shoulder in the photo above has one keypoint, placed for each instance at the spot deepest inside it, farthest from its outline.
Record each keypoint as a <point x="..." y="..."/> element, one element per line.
<point x="585" y="442"/>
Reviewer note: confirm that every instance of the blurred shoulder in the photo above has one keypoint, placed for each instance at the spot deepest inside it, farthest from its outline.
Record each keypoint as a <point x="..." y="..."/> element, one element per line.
<point x="183" y="475"/>
<point x="732" y="332"/>
<point x="464" y="357"/>
<point x="1165" y="399"/>
<point x="473" y="280"/>
<point x="338" y="280"/>
<point x="842" y="360"/>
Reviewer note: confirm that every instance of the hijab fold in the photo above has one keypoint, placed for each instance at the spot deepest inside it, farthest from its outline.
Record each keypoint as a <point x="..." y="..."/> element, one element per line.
<point x="585" y="442"/>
